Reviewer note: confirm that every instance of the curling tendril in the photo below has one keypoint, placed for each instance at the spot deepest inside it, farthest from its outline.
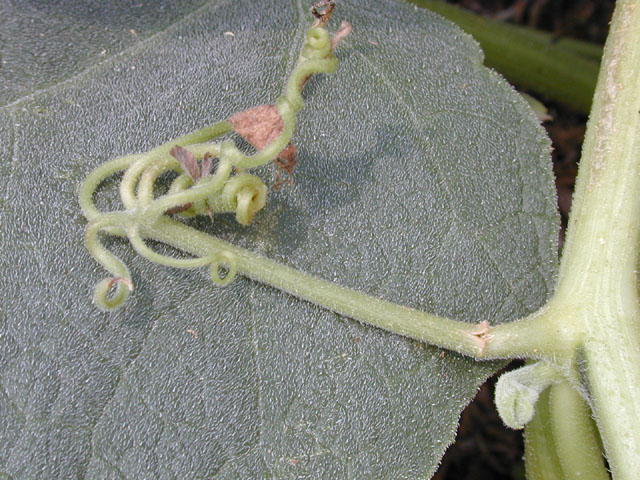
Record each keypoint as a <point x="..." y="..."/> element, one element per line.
<point x="202" y="185"/>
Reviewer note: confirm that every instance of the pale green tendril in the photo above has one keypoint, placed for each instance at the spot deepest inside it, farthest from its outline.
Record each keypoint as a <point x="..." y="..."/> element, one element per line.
<point x="199" y="187"/>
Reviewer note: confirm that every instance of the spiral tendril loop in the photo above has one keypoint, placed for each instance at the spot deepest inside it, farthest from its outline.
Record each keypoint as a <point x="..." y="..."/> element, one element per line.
<point x="220" y="260"/>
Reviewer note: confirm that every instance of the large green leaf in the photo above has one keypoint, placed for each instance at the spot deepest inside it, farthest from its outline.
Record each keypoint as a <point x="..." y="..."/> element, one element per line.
<point x="423" y="178"/>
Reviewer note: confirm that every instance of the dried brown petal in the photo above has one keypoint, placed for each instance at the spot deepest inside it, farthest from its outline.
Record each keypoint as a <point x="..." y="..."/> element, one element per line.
<point x="187" y="160"/>
<point x="179" y="208"/>
<point x="322" y="11"/>
<point x="286" y="161"/>
<point x="206" y="165"/>
<point x="343" y="31"/>
<point x="258" y="125"/>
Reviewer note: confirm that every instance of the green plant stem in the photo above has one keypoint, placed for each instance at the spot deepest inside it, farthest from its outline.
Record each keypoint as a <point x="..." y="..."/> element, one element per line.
<point x="142" y="220"/>
<point x="515" y="339"/>
<point x="597" y="278"/>
<point x="575" y="438"/>
<point x="540" y="455"/>
<point x="563" y="70"/>
<point x="458" y="336"/>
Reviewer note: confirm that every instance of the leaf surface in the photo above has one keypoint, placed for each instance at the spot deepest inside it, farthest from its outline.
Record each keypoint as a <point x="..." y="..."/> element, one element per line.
<point x="422" y="178"/>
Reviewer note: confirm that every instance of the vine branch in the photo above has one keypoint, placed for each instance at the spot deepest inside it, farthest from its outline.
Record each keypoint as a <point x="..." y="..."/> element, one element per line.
<point x="200" y="188"/>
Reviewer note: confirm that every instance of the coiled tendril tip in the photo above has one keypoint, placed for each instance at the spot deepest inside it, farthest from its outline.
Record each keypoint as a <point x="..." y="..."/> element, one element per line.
<point x="106" y="298"/>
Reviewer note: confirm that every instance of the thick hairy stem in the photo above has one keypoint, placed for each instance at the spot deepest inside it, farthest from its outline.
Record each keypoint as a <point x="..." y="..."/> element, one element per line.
<point x="575" y="437"/>
<point x="598" y="272"/>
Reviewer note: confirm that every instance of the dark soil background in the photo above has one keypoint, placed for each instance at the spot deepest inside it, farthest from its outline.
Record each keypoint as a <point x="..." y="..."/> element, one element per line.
<point x="485" y="449"/>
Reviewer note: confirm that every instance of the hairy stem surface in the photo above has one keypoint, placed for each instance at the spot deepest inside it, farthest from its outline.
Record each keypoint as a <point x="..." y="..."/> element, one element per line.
<point x="598" y="273"/>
